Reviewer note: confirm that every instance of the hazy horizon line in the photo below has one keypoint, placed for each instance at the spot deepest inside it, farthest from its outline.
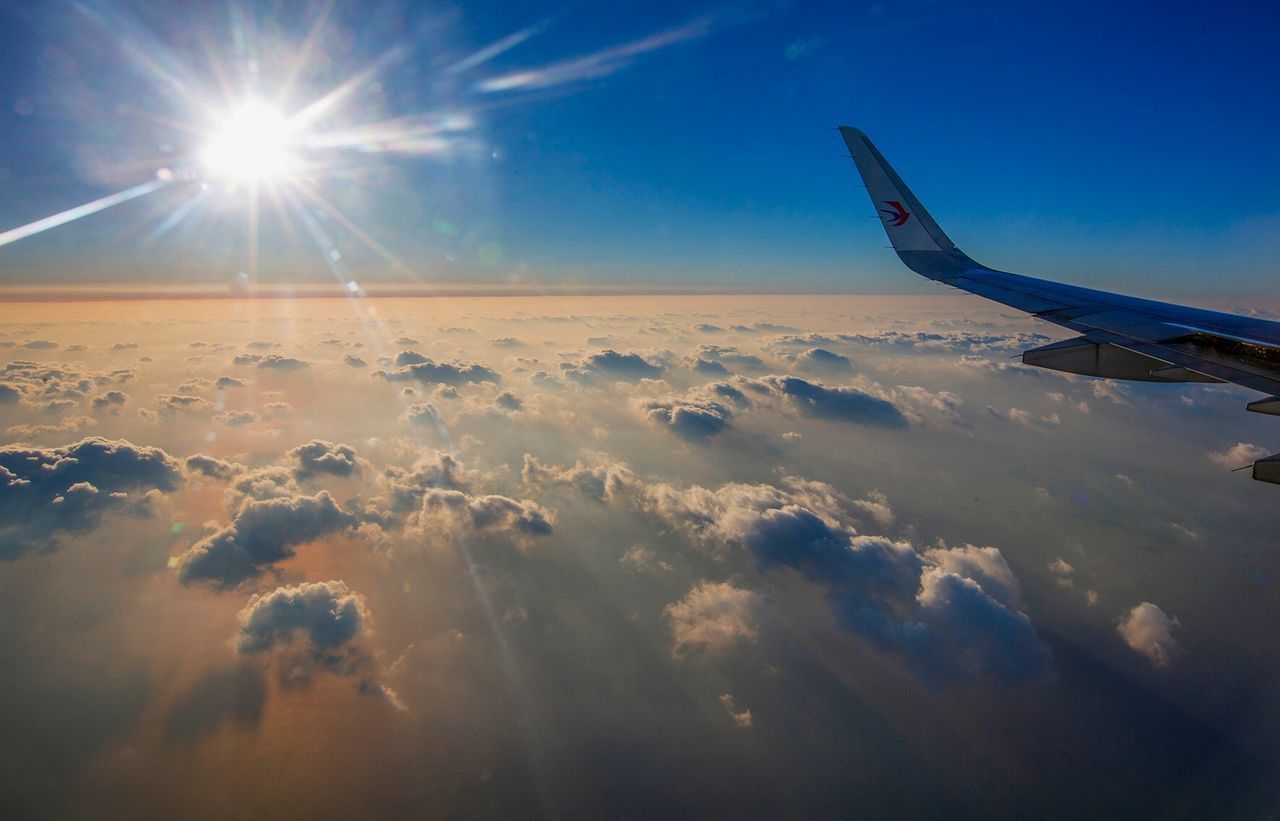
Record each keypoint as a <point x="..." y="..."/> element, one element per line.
<point x="275" y="291"/>
<point x="126" y="292"/>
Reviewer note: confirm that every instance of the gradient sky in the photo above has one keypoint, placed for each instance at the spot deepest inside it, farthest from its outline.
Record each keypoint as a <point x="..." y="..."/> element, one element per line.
<point x="658" y="145"/>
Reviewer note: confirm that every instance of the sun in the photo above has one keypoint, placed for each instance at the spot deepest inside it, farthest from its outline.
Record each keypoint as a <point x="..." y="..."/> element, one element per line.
<point x="253" y="144"/>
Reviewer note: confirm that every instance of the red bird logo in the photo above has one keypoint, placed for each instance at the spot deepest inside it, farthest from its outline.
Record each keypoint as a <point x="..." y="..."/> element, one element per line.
<point x="898" y="216"/>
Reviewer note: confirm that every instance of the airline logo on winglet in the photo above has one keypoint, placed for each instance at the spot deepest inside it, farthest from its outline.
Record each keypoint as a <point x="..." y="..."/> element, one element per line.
<point x="895" y="214"/>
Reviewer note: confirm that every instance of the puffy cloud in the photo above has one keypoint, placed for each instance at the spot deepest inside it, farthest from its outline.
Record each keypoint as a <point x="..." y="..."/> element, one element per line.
<point x="1063" y="571"/>
<point x="965" y="631"/>
<point x="1064" y="575"/>
<point x="321" y="457"/>
<point x="225" y="382"/>
<point x="323" y="625"/>
<point x="952" y="341"/>
<point x="413" y="367"/>
<point x="354" y="361"/>
<point x="192" y="384"/>
<point x="1239" y="455"/>
<point x="276" y="362"/>
<point x="327" y="615"/>
<point x="508" y="401"/>
<point x="640" y="559"/>
<point x="984" y="565"/>
<point x="172" y="403"/>
<point x="458" y="514"/>
<point x="424" y="415"/>
<point x="691" y="417"/>
<point x="919" y="404"/>
<point x="742" y="718"/>
<point x="709" y="367"/>
<point x="70" y="425"/>
<point x="609" y="364"/>
<point x="932" y="608"/>
<point x="712" y="617"/>
<point x="1112" y="391"/>
<point x="54" y="386"/>
<point x="764" y="328"/>
<point x="433" y="469"/>
<point x="271" y="482"/>
<point x="57" y="406"/>
<point x="728" y="358"/>
<point x="110" y="399"/>
<point x="212" y="467"/>
<point x="725" y="391"/>
<point x="1030" y="420"/>
<point x="1148" y="630"/>
<point x="410" y="358"/>
<point x="237" y="418"/>
<point x="971" y="363"/>
<point x="838" y="404"/>
<point x="276" y="410"/>
<point x="822" y="360"/>
<point x="605" y="482"/>
<point x="875" y="506"/>
<point x="1060" y="567"/>
<point x="273" y="361"/>
<point x="51" y="491"/>
<point x="264" y="531"/>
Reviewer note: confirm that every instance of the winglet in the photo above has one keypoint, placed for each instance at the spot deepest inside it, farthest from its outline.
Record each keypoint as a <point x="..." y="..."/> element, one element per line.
<point x="921" y="244"/>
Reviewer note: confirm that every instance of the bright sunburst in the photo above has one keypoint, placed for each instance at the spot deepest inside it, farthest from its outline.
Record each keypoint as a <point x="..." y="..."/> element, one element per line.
<point x="263" y="129"/>
<point x="251" y="145"/>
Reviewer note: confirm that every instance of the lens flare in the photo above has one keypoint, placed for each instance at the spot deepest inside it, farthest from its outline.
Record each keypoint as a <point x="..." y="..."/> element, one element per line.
<point x="251" y="145"/>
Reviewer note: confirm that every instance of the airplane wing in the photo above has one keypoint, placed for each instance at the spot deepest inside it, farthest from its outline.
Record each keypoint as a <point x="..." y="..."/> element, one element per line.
<point x="1121" y="337"/>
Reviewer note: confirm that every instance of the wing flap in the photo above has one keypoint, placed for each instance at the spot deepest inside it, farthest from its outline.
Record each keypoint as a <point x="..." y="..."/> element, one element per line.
<point x="1193" y="357"/>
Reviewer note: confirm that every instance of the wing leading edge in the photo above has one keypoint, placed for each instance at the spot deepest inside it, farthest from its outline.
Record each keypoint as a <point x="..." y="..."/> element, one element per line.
<point x="1122" y="337"/>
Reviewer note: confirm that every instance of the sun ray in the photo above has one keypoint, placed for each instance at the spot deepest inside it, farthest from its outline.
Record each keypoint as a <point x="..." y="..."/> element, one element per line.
<point x="71" y="214"/>
<point x="304" y="53"/>
<point x="282" y="213"/>
<point x="342" y="219"/>
<point x="252" y="217"/>
<point x="144" y="50"/>
<point x="397" y="135"/>
<point x="327" y="102"/>
<point x="179" y="214"/>
<point x="496" y="48"/>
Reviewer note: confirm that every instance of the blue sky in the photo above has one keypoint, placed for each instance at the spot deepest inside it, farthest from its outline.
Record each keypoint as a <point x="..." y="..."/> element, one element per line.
<point x="1100" y="143"/>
